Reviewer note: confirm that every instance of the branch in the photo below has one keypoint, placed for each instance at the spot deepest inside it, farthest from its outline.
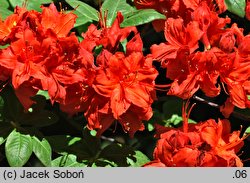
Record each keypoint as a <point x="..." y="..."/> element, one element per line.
<point x="233" y="114"/>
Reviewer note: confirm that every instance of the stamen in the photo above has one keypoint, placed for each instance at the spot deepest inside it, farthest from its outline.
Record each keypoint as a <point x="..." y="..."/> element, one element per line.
<point x="4" y="85"/>
<point x="248" y="159"/>
<point x="224" y="88"/>
<point x="115" y="126"/>
<point x="145" y="2"/>
<point x="163" y="88"/>
<point x="233" y="144"/>
<point x="61" y="8"/>
<point x="185" y="114"/>
<point x="25" y="3"/>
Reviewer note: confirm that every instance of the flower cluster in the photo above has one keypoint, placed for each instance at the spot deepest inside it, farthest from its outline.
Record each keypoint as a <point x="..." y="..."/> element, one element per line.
<point x="206" y="144"/>
<point x="203" y="52"/>
<point x="44" y="55"/>
<point x="177" y="8"/>
<point x="107" y="78"/>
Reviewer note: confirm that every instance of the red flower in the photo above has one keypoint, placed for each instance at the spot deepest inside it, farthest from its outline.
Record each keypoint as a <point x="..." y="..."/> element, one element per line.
<point x="182" y="41"/>
<point x="209" y="23"/>
<point x="23" y="58"/>
<point x="170" y="8"/>
<point x="108" y="37"/>
<point x="115" y="86"/>
<point x="59" y="23"/>
<point x="128" y="84"/>
<point x="41" y="55"/>
<point x="247" y="10"/>
<point x="9" y="27"/>
<point x="178" y="8"/>
<point x="235" y="71"/>
<point x="204" y="144"/>
<point x="79" y="92"/>
<point x="193" y="4"/>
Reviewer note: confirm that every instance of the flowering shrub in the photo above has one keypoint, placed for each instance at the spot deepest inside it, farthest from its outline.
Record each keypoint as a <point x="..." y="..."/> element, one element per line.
<point x="77" y="76"/>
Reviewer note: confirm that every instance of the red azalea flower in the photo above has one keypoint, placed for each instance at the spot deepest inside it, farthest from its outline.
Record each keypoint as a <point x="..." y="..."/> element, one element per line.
<point x="170" y="8"/>
<point x="79" y="92"/>
<point x="108" y="37"/>
<point x="116" y="86"/>
<point x="41" y="54"/>
<point x="182" y="41"/>
<point x="58" y="22"/>
<point x="247" y="10"/>
<point x="234" y="71"/>
<point x="209" y="23"/>
<point x="6" y="27"/>
<point x="179" y="8"/>
<point x="9" y="27"/>
<point x="203" y="144"/>
<point x="24" y="57"/>
<point x="128" y="82"/>
<point x="62" y="66"/>
<point x="218" y="6"/>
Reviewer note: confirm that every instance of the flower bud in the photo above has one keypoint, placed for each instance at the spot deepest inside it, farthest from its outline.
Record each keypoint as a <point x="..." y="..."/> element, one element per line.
<point x="227" y="42"/>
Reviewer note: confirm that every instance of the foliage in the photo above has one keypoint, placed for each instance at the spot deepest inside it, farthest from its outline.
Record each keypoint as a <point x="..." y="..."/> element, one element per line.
<point x="79" y="84"/>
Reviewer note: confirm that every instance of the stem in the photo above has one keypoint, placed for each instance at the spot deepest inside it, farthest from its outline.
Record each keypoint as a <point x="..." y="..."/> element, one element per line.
<point x="234" y="113"/>
<point x="185" y="117"/>
<point x="108" y="139"/>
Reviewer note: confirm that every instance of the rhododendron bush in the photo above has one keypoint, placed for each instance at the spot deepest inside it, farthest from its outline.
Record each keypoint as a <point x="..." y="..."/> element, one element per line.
<point x="140" y="83"/>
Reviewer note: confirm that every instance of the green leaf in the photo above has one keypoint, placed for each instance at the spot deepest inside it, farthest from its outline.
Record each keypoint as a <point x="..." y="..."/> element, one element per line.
<point x="31" y="4"/>
<point x="3" y="46"/>
<point x="68" y="160"/>
<point x="245" y="113"/>
<point x="5" y="129"/>
<point x="74" y="140"/>
<point x="37" y="115"/>
<point x="12" y="107"/>
<point x="140" y="17"/>
<point x="247" y="131"/>
<point x="91" y="143"/>
<point x="140" y="159"/>
<point x="236" y="6"/>
<point x="93" y="132"/>
<point x="157" y="116"/>
<point x="104" y="163"/>
<point x="4" y="13"/>
<point x="112" y="7"/>
<point x="176" y="120"/>
<point x="42" y="150"/>
<point x="85" y="148"/>
<point x="2" y="140"/>
<point x="123" y="45"/>
<point x="117" y="153"/>
<point x="18" y="149"/>
<point x="150" y="127"/>
<point x="1" y="109"/>
<point x="173" y="105"/>
<point x="61" y="143"/>
<point x="44" y="93"/>
<point x="39" y="119"/>
<point x="84" y="12"/>
<point x="4" y="4"/>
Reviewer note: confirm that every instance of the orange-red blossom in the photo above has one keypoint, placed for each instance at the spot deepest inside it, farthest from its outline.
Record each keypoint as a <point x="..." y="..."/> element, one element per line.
<point x="206" y="144"/>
